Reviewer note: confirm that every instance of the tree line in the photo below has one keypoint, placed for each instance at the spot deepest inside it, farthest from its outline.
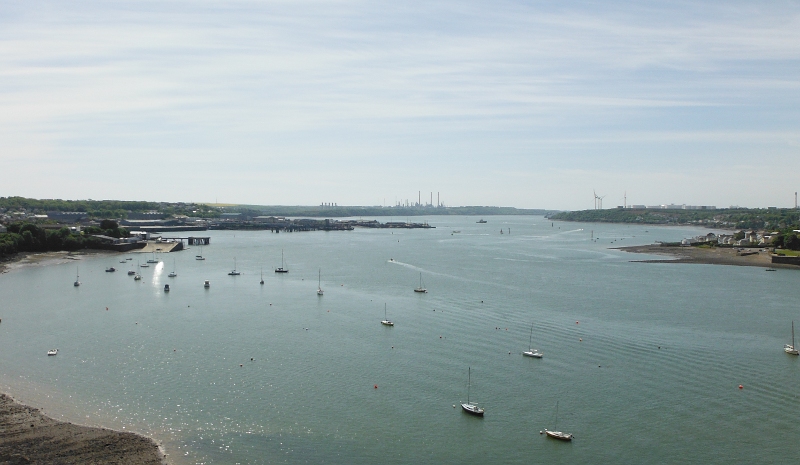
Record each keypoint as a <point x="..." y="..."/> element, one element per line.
<point x="28" y="237"/>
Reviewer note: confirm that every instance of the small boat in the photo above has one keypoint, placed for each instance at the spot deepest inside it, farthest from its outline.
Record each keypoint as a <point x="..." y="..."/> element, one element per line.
<point x="207" y="284"/>
<point x="385" y="320"/>
<point x="153" y="260"/>
<point x="421" y="288"/>
<point x="166" y="287"/>
<point x="129" y="258"/>
<point x="468" y="406"/>
<point x="456" y="232"/>
<point x="319" y="283"/>
<point x="110" y="269"/>
<point x="561" y="436"/>
<point x="137" y="277"/>
<point x="77" y="276"/>
<point x="233" y="271"/>
<point x="282" y="269"/>
<point x="481" y="221"/>
<point x="131" y="273"/>
<point x="173" y="274"/>
<point x="144" y="265"/>
<point x="770" y="269"/>
<point x="790" y="349"/>
<point x="262" y="276"/>
<point x="200" y="257"/>
<point x="532" y="352"/>
<point x="52" y="352"/>
<point x="123" y="261"/>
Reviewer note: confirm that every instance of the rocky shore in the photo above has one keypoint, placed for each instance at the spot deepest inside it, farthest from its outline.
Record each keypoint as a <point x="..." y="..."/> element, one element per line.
<point x="28" y="436"/>
<point x="707" y="255"/>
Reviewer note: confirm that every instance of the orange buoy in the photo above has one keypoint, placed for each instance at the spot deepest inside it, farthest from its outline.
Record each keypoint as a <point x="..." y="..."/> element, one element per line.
<point x="580" y="339"/>
<point x="577" y="322"/>
<point x="376" y="386"/>
<point x="741" y="387"/>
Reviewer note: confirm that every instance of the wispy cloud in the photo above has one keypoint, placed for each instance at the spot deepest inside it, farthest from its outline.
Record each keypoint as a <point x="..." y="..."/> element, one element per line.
<point x="347" y="85"/>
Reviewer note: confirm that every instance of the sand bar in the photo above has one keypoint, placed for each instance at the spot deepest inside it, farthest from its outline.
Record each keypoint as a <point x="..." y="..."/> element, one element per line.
<point x="708" y="255"/>
<point x="28" y="436"/>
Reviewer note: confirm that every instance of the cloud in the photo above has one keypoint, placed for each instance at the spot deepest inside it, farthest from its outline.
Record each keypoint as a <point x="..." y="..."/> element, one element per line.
<point x="301" y="85"/>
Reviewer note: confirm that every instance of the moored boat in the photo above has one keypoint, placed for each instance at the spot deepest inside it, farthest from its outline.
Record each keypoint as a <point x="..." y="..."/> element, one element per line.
<point x="790" y="348"/>
<point x="471" y="407"/>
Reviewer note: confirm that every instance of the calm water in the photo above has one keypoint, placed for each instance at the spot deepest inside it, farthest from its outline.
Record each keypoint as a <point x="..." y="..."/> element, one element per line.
<point x="644" y="359"/>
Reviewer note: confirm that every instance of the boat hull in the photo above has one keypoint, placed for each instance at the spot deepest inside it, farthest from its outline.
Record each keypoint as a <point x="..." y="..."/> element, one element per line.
<point x="472" y="409"/>
<point x="532" y="353"/>
<point x="558" y="435"/>
<point x="791" y="350"/>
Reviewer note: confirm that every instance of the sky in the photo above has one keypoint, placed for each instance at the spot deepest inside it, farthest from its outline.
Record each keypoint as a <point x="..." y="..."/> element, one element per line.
<point x="529" y="104"/>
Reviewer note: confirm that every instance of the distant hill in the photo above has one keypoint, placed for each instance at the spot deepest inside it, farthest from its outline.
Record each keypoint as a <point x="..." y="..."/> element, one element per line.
<point x="354" y="211"/>
<point x="731" y="218"/>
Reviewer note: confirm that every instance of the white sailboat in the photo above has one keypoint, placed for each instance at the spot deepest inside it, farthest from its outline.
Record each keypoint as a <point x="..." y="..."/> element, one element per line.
<point x="558" y="434"/>
<point x="319" y="283"/>
<point x="532" y="352"/>
<point x="173" y="274"/>
<point x="386" y="321"/>
<point x="468" y="406"/>
<point x="282" y="269"/>
<point x="262" y="276"/>
<point x="790" y="349"/>
<point x="421" y="288"/>
<point x="200" y="257"/>
<point x="233" y="271"/>
<point x="77" y="277"/>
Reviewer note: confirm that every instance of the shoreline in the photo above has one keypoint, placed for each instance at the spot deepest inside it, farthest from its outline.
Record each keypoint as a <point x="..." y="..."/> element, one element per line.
<point x="29" y="436"/>
<point x="29" y="259"/>
<point x="706" y="256"/>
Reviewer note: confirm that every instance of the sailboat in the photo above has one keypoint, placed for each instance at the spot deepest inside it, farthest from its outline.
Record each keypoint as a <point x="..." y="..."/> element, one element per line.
<point x="319" y="283"/>
<point x="281" y="269"/>
<point x="532" y="352"/>
<point x="421" y="288"/>
<point x="200" y="257"/>
<point x="77" y="276"/>
<point x="173" y="274"/>
<point x="558" y="434"/>
<point x="386" y="321"/>
<point x="790" y="349"/>
<point x="153" y="260"/>
<point x="470" y="407"/>
<point x="233" y="271"/>
<point x="262" y="276"/>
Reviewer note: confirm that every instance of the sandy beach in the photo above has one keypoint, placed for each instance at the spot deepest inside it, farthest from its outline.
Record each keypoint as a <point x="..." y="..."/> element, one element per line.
<point x="28" y="259"/>
<point x="707" y="255"/>
<point x="28" y="436"/>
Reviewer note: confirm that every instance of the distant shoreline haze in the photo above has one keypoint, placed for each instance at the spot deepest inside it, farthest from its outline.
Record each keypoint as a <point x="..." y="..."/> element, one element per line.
<point x="122" y="209"/>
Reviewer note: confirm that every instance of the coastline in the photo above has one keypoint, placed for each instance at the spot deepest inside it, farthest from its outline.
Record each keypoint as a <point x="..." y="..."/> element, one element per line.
<point x="705" y="255"/>
<point x="28" y="259"/>
<point x="28" y="436"/>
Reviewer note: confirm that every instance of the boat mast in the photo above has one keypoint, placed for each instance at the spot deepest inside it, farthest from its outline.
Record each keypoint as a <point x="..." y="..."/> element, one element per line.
<point x="469" y="381"/>
<point x="556" y="427"/>
<point x="530" y="338"/>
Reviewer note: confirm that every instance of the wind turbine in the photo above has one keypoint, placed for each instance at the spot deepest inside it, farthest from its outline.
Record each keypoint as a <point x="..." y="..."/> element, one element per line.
<point x="598" y="201"/>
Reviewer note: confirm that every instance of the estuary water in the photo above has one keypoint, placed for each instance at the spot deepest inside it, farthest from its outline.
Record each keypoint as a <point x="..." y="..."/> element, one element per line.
<point x="645" y="360"/>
